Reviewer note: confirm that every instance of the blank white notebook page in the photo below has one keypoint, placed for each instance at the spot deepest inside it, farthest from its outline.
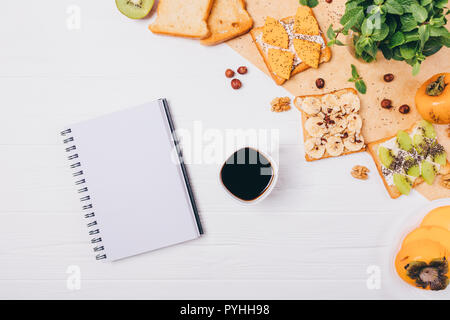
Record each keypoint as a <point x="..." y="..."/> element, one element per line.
<point x="136" y="188"/>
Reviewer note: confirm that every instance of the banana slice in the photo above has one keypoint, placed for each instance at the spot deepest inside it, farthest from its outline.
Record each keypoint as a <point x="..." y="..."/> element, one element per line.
<point x="330" y="104"/>
<point x="315" y="148"/>
<point x="337" y="124"/>
<point x="354" y="142"/>
<point x="309" y="105"/>
<point x="316" y="127"/>
<point x="334" y="146"/>
<point x="350" y="102"/>
<point x="354" y="123"/>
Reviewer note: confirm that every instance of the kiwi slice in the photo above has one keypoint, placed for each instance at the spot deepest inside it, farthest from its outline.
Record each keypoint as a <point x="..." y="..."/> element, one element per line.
<point x="427" y="129"/>
<point x="438" y="154"/>
<point x="386" y="156"/>
<point x="440" y="158"/>
<point x="428" y="172"/>
<point x="135" y="9"/>
<point x="420" y="143"/>
<point x="411" y="167"/>
<point x="402" y="183"/>
<point x="404" y="141"/>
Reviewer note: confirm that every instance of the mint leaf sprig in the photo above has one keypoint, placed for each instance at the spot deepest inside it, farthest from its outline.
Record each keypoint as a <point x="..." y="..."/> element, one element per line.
<point x="403" y="30"/>
<point x="360" y="85"/>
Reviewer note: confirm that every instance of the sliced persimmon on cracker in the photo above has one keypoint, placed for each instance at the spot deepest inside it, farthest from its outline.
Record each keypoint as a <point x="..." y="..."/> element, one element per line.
<point x="281" y="62"/>
<point x="305" y="22"/>
<point x="308" y="52"/>
<point x="275" y="34"/>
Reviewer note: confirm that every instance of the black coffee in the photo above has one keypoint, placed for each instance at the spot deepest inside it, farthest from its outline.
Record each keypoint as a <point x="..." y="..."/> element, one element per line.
<point x="247" y="174"/>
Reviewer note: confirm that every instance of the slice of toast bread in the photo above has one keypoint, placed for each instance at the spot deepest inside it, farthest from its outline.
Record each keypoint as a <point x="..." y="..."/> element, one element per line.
<point x="228" y="19"/>
<point x="393" y="191"/>
<point x="257" y="33"/>
<point x="305" y="117"/>
<point x="183" y="18"/>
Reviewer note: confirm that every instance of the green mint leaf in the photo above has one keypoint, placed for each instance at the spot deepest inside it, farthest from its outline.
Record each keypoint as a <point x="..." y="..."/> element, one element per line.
<point x="381" y="33"/>
<point x="361" y="86"/>
<point x="339" y="43"/>
<point x="387" y="52"/>
<point x="438" y="32"/>
<point x="331" y="34"/>
<point x="440" y="3"/>
<point x="419" y="13"/>
<point x="309" y="3"/>
<point x="416" y="68"/>
<point x="408" y="22"/>
<point x="355" y="74"/>
<point x="397" y="39"/>
<point x="408" y="51"/>
<point x="352" y="18"/>
<point x="424" y="35"/>
<point x="393" y="7"/>
<point x="367" y="27"/>
<point x="431" y="47"/>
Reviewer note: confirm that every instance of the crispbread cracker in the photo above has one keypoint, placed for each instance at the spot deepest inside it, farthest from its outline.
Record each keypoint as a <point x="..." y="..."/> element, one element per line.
<point x="305" y="22"/>
<point x="308" y="51"/>
<point x="281" y="62"/>
<point x="393" y="190"/>
<point x="182" y="18"/>
<point x="228" y="19"/>
<point x="305" y="116"/>
<point x="274" y="34"/>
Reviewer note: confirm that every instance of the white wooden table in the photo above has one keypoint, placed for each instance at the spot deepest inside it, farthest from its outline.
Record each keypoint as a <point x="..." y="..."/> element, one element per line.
<point x="320" y="234"/>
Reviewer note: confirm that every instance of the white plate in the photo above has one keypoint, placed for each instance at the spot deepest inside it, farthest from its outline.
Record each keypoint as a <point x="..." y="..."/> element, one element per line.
<point x="396" y="286"/>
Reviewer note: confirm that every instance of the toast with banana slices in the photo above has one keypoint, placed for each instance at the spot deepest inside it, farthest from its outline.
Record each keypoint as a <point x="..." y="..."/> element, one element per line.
<point x="409" y="159"/>
<point x="331" y="124"/>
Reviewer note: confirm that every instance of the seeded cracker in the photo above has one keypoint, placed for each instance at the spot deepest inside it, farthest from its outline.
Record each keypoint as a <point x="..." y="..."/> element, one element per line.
<point x="281" y="62"/>
<point x="308" y="51"/>
<point x="275" y="34"/>
<point x="305" y="23"/>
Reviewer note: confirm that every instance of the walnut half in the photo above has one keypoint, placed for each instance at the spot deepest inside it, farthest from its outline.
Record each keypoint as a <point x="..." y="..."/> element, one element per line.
<point x="360" y="172"/>
<point x="281" y="104"/>
<point x="445" y="181"/>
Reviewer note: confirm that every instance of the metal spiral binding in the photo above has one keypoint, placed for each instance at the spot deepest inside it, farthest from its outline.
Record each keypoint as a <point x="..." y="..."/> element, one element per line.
<point x="92" y="224"/>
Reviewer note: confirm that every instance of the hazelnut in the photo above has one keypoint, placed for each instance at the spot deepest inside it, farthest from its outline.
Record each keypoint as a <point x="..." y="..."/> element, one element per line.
<point x="242" y="70"/>
<point x="236" y="84"/>
<point x="388" y="77"/>
<point x="404" y="109"/>
<point x="229" y="73"/>
<point x="386" y="104"/>
<point x="320" y="83"/>
<point x="328" y="1"/>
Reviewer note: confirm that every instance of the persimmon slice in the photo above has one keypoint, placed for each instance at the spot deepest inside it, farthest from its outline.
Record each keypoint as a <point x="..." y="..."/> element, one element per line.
<point x="439" y="217"/>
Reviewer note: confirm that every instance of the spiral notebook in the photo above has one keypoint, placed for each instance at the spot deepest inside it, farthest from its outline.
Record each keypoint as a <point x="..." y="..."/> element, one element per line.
<point x="133" y="184"/>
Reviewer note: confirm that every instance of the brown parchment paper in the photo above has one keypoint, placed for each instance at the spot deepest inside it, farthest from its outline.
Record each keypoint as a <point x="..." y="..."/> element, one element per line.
<point x="378" y="123"/>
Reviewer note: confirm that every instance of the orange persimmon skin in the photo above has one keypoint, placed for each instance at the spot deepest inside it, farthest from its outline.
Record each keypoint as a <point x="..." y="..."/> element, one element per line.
<point x="435" y="109"/>
<point x="421" y="250"/>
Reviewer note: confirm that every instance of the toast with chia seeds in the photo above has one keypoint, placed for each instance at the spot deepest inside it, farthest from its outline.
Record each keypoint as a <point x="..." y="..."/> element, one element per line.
<point x="298" y="64"/>
<point x="404" y="163"/>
